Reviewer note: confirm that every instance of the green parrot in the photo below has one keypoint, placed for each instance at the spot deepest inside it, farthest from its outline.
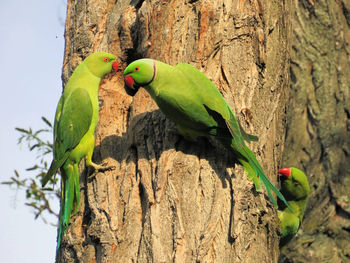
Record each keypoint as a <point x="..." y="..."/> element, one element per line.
<point x="75" y="122"/>
<point x="296" y="189"/>
<point x="187" y="97"/>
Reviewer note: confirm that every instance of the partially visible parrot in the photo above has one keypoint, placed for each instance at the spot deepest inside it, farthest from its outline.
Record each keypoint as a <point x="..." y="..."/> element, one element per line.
<point x="295" y="188"/>
<point x="75" y="122"/>
<point x="186" y="96"/>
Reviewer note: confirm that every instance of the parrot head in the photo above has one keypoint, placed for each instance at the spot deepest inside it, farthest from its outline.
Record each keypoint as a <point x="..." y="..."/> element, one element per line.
<point x="101" y="63"/>
<point x="294" y="183"/>
<point x="139" y="73"/>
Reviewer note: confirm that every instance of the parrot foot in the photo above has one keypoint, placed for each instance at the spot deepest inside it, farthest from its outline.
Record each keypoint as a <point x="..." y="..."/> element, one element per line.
<point x="101" y="168"/>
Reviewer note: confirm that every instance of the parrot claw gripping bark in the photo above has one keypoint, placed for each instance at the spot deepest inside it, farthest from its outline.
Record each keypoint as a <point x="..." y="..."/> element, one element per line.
<point x="75" y="122"/>
<point x="295" y="188"/>
<point x="101" y="168"/>
<point x="187" y="97"/>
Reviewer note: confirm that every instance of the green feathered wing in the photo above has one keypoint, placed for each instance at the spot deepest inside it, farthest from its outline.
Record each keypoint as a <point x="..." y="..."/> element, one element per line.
<point x="72" y="121"/>
<point x="209" y="114"/>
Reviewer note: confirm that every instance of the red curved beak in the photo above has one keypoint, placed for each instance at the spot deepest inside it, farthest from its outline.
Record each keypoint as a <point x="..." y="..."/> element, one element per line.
<point x="129" y="81"/>
<point x="115" y="65"/>
<point x="285" y="172"/>
<point x="130" y="86"/>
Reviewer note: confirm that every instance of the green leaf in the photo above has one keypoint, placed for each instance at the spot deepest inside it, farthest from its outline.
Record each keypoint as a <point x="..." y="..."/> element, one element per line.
<point x="34" y="146"/>
<point x="32" y="204"/>
<point x="46" y="121"/>
<point x="22" y="130"/>
<point x="50" y="189"/>
<point x="32" y="168"/>
<point x="40" y="175"/>
<point x="18" y="182"/>
<point x="47" y="152"/>
<point x="7" y="182"/>
<point x="36" y="197"/>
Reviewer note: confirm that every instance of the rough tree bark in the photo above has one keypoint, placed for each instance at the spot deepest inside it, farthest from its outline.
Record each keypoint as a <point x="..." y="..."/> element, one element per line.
<point x="170" y="200"/>
<point x="318" y="132"/>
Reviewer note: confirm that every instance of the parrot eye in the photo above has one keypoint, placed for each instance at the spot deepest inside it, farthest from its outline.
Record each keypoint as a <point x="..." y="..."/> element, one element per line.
<point x="106" y="59"/>
<point x="296" y="183"/>
<point x="137" y="69"/>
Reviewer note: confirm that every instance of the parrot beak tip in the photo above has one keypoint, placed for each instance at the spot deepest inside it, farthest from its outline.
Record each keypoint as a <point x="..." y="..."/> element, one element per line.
<point x="131" y="91"/>
<point x="115" y="65"/>
<point x="130" y="86"/>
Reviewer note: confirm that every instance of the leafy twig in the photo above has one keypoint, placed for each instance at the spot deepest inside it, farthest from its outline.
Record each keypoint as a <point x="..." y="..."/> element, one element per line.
<point x="37" y="197"/>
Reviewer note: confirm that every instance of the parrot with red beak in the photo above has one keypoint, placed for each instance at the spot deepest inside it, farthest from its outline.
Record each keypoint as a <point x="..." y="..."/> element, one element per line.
<point x="295" y="188"/>
<point x="187" y="97"/>
<point x="74" y="127"/>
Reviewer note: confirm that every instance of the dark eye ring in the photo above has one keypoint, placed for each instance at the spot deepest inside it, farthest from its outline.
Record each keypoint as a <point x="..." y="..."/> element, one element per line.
<point x="137" y="69"/>
<point x="106" y="59"/>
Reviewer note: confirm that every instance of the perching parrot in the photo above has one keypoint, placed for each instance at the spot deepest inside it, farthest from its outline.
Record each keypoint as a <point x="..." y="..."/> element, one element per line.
<point x="296" y="189"/>
<point x="75" y="122"/>
<point x="186" y="96"/>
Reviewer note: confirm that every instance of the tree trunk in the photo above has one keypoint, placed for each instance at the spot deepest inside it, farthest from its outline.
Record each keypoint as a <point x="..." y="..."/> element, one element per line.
<point x="170" y="200"/>
<point x="318" y="132"/>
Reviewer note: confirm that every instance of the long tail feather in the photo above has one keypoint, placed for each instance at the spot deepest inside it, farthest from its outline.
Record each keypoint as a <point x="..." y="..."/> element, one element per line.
<point x="251" y="173"/>
<point x="61" y="227"/>
<point x="247" y="158"/>
<point x="252" y="163"/>
<point x="70" y="192"/>
<point x="76" y="188"/>
<point x="53" y="168"/>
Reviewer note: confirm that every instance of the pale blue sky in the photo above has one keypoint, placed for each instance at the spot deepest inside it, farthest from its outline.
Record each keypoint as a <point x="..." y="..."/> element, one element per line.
<point x="31" y="44"/>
